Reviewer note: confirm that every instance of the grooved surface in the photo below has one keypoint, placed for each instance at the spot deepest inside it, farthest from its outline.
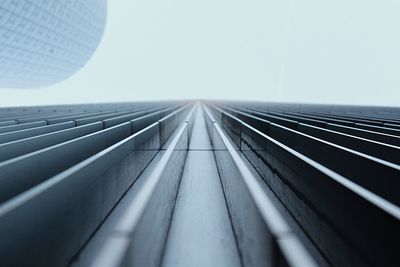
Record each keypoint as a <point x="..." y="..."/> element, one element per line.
<point x="201" y="233"/>
<point x="215" y="184"/>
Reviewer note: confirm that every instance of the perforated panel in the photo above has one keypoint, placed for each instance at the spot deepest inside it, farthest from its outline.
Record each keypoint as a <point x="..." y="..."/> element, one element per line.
<point x="45" y="41"/>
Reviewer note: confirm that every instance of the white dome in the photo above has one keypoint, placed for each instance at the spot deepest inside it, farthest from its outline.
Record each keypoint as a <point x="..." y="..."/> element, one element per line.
<point x="43" y="42"/>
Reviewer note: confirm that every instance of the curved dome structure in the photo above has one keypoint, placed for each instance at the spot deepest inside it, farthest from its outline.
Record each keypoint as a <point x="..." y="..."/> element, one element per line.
<point x="43" y="42"/>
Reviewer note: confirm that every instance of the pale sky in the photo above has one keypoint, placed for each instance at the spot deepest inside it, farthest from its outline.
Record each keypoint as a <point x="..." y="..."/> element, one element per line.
<point x="342" y="51"/>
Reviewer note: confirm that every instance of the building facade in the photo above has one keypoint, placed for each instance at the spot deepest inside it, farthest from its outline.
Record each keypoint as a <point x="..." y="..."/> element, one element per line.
<point x="43" y="42"/>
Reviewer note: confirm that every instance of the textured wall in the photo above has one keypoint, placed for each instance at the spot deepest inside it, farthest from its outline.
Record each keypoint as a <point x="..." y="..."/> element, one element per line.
<point x="45" y="41"/>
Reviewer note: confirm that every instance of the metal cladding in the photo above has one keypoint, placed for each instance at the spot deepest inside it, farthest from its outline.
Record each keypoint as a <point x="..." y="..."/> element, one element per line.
<point x="46" y="41"/>
<point x="199" y="184"/>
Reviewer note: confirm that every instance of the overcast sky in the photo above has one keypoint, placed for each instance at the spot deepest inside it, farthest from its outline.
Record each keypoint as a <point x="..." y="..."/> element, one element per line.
<point x="342" y="51"/>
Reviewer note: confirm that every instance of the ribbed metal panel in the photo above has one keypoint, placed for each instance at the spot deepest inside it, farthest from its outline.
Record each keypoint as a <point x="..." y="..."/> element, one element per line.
<point x="334" y="168"/>
<point x="199" y="184"/>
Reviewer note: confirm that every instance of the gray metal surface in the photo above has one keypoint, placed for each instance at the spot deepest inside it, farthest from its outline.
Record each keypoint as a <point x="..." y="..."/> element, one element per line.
<point x="20" y="147"/>
<point x="335" y="211"/>
<point x="12" y="128"/>
<point x="34" y="131"/>
<point x="263" y="235"/>
<point x="201" y="233"/>
<point x="63" y="206"/>
<point x="184" y="184"/>
<point x="141" y="234"/>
